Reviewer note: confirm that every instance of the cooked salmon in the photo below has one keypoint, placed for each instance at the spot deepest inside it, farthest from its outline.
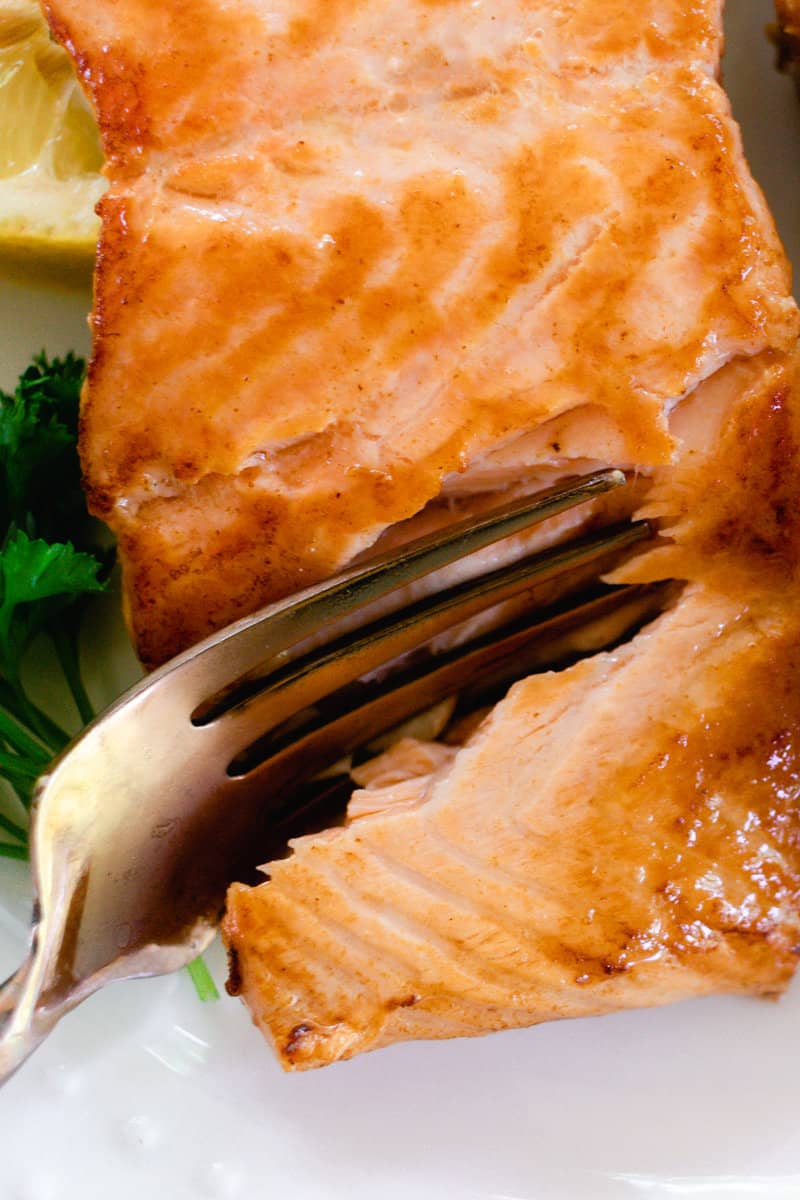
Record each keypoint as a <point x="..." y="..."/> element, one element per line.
<point x="365" y="263"/>
<point x="619" y="834"/>
<point x="350" y="250"/>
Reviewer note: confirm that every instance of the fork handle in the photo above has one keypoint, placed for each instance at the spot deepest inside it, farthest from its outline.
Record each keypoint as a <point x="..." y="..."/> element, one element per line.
<point x="23" y="1024"/>
<point x="25" y="1018"/>
<point x="11" y="990"/>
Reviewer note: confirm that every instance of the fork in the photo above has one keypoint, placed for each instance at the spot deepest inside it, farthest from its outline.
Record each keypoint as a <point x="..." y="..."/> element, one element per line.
<point x="194" y="776"/>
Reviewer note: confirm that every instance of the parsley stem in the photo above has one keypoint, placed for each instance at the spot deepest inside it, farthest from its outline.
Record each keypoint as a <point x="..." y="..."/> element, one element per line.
<point x="203" y="982"/>
<point x="51" y="734"/>
<point x="20" y="740"/>
<point x="7" y="850"/>
<point x="23" y="790"/>
<point x="68" y="656"/>
<point x="15" y="830"/>
<point x="20" y="768"/>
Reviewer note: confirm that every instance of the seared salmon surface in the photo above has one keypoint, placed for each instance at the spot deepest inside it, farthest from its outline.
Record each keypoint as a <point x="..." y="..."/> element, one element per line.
<point x="349" y="248"/>
<point x="362" y="265"/>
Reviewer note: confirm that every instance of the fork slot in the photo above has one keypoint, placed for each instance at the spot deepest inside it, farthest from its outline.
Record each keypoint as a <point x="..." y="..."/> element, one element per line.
<point x="223" y="666"/>
<point x="562" y="569"/>
<point x="359" y="712"/>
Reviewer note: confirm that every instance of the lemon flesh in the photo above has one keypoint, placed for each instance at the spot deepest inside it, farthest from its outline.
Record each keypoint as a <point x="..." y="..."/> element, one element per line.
<point x="50" y="154"/>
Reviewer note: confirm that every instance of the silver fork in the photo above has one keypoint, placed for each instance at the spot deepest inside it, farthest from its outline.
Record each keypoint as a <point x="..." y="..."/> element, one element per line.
<point x="191" y="779"/>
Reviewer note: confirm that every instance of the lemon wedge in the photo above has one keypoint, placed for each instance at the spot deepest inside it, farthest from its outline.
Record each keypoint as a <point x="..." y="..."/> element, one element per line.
<point x="50" y="155"/>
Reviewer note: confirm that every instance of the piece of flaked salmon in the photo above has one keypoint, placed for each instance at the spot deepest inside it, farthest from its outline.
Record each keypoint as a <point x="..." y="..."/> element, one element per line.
<point x="350" y="250"/>
<point x="622" y="833"/>
<point x="367" y="264"/>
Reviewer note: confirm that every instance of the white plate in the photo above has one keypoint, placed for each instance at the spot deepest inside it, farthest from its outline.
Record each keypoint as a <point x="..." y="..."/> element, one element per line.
<point x="144" y="1091"/>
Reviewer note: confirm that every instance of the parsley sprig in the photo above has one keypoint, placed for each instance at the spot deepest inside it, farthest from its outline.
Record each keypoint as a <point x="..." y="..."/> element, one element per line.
<point x="51" y="565"/>
<point x="49" y="568"/>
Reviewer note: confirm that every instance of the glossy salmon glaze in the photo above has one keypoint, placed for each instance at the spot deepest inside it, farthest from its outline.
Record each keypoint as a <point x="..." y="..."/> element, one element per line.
<point x="364" y="261"/>
<point x="350" y="248"/>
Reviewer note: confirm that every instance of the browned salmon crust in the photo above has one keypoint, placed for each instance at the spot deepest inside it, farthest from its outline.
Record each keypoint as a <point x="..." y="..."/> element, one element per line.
<point x="361" y="257"/>
<point x="349" y="249"/>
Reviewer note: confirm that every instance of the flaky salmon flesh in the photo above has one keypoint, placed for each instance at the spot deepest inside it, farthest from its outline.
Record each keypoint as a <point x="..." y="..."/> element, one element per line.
<point x="370" y="265"/>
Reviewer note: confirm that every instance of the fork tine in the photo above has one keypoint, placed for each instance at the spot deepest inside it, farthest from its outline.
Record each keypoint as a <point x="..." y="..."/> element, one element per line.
<point x="226" y="659"/>
<point x="561" y="570"/>
<point x="353" y="717"/>
<point x="136" y="887"/>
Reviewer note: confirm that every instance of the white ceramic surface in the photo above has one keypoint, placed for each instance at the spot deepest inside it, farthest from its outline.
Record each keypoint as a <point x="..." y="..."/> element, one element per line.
<point x="144" y="1091"/>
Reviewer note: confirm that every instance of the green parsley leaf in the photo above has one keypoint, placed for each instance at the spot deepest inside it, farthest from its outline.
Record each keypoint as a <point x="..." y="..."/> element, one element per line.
<point x="39" y="471"/>
<point x="49" y="568"/>
<point x="32" y="572"/>
<point x="49" y="565"/>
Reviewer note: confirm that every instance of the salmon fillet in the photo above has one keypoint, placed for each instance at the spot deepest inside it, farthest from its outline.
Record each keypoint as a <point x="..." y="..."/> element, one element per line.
<point x="362" y="263"/>
<point x="619" y="834"/>
<point x="349" y="250"/>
